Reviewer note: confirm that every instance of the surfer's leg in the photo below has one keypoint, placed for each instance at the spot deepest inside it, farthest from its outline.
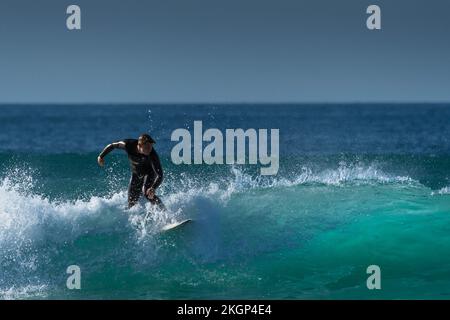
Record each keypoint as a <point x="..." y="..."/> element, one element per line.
<point x="156" y="200"/>
<point x="134" y="190"/>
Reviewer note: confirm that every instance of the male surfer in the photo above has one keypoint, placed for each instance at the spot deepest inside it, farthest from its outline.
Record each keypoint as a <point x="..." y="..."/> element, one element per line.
<point x="147" y="173"/>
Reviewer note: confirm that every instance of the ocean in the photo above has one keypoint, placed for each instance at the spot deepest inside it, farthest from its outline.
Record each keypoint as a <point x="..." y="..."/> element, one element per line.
<point x="358" y="185"/>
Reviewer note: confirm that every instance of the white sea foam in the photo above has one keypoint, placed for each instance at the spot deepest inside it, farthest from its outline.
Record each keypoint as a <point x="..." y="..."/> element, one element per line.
<point x="445" y="190"/>
<point x="15" y="293"/>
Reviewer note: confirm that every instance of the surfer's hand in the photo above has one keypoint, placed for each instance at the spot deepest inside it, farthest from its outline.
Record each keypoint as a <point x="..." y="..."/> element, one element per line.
<point x="101" y="161"/>
<point x="150" y="193"/>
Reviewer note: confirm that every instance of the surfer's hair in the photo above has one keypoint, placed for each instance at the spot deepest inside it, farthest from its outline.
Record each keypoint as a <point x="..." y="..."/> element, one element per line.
<point x="145" y="138"/>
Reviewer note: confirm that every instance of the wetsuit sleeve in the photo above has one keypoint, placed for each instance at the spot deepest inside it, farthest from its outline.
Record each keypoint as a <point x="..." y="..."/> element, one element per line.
<point x="156" y="164"/>
<point x="110" y="147"/>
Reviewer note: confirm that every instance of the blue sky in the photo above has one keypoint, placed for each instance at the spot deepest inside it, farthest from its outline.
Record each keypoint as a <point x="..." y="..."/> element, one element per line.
<point x="224" y="51"/>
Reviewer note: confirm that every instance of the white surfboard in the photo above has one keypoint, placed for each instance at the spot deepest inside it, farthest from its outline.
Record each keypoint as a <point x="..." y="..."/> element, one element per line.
<point x="175" y="225"/>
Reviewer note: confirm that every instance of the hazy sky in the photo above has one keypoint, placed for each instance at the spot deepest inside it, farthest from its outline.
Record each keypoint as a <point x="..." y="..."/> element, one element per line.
<point x="224" y="51"/>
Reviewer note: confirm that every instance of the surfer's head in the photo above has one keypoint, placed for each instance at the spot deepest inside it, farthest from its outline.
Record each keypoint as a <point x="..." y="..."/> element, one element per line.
<point x="145" y="144"/>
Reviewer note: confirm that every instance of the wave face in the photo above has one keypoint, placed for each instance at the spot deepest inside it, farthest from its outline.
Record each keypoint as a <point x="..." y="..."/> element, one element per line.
<point x="310" y="232"/>
<point x="358" y="185"/>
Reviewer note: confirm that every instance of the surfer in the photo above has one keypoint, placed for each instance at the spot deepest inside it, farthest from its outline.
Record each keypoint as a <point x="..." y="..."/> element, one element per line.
<point x="147" y="173"/>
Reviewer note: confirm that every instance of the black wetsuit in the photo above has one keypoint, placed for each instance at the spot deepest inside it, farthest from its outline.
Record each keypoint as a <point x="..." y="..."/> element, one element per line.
<point x="146" y="170"/>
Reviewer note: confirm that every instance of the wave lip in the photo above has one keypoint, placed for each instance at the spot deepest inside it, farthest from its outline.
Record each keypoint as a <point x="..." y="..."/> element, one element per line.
<point x="345" y="174"/>
<point x="443" y="191"/>
<point x="350" y="174"/>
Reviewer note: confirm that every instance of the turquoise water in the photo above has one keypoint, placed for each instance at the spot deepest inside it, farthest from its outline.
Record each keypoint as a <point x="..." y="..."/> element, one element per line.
<point x="339" y="204"/>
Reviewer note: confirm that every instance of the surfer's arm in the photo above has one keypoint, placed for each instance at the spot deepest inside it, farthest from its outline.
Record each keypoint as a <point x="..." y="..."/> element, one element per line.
<point x="110" y="147"/>
<point x="157" y="168"/>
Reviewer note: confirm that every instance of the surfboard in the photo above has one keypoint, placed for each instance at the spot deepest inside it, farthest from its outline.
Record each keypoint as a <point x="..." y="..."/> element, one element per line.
<point x="175" y="225"/>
